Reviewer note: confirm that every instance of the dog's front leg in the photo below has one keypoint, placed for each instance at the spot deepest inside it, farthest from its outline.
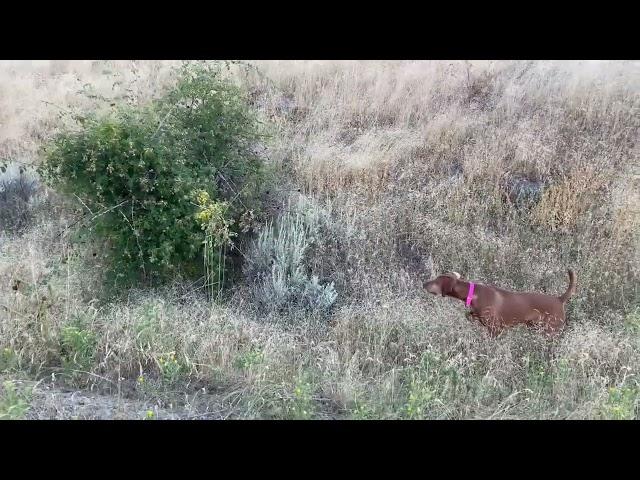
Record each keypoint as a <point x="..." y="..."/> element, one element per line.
<point x="493" y="324"/>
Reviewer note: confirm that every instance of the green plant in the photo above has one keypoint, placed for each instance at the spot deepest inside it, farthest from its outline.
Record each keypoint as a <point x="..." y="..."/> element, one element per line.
<point x="621" y="403"/>
<point x="8" y="360"/>
<point x="146" y="328"/>
<point x="218" y="234"/>
<point x="138" y="170"/>
<point x="254" y="356"/>
<point x="301" y="406"/>
<point x="421" y="395"/>
<point x="539" y="376"/>
<point x="432" y="385"/>
<point x="363" y="411"/>
<point x="562" y="371"/>
<point x="77" y="348"/>
<point x="632" y="321"/>
<point x="170" y="368"/>
<point x="14" y="402"/>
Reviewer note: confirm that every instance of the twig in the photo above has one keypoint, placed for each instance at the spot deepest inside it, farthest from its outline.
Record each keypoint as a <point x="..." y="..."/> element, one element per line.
<point x="240" y="252"/>
<point x="135" y="234"/>
<point x="57" y="106"/>
<point x="13" y="311"/>
<point x="219" y="172"/>
<point x="95" y="375"/>
<point x="85" y="205"/>
<point x="61" y="370"/>
<point x="162" y="123"/>
<point x="233" y="190"/>
<point x="92" y="218"/>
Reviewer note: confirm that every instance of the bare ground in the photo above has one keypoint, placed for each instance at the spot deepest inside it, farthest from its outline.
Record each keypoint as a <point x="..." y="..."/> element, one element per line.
<point x="50" y="401"/>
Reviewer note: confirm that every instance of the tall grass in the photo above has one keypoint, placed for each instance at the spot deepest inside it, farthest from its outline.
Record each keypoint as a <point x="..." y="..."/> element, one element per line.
<point x="507" y="172"/>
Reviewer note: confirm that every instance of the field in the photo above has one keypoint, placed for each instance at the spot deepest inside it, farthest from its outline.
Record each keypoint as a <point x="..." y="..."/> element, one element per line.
<point x="385" y="175"/>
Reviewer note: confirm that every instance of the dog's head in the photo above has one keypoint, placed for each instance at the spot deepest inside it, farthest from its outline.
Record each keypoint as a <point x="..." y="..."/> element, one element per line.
<point x="442" y="285"/>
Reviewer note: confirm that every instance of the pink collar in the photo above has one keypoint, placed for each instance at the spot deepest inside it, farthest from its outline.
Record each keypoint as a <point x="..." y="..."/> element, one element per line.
<point x="472" y="287"/>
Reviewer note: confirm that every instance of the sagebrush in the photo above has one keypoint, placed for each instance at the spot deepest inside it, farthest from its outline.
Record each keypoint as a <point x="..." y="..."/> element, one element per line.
<point x="277" y="268"/>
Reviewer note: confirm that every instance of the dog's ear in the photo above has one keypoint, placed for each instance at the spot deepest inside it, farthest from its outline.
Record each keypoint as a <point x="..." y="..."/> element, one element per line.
<point x="447" y="285"/>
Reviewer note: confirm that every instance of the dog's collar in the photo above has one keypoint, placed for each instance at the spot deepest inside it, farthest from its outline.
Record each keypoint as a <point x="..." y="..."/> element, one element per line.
<point x="472" y="287"/>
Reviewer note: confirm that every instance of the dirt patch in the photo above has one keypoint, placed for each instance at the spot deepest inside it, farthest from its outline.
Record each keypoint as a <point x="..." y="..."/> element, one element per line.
<point x="49" y="402"/>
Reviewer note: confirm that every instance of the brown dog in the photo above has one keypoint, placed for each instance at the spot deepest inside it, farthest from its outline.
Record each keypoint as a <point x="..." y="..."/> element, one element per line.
<point x="497" y="309"/>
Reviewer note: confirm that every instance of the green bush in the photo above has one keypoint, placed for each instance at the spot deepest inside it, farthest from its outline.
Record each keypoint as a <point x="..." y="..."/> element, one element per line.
<point x="149" y="177"/>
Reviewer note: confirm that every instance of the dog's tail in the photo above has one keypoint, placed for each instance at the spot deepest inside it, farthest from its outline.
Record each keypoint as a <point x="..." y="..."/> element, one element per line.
<point x="571" y="289"/>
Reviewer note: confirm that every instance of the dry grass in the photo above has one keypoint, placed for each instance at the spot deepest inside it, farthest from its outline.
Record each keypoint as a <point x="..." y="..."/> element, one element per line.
<point x="33" y="94"/>
<point x="410" y="164"/>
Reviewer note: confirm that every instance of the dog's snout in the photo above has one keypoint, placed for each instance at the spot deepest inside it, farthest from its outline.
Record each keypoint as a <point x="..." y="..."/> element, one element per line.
<point x="431" y="287"/>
